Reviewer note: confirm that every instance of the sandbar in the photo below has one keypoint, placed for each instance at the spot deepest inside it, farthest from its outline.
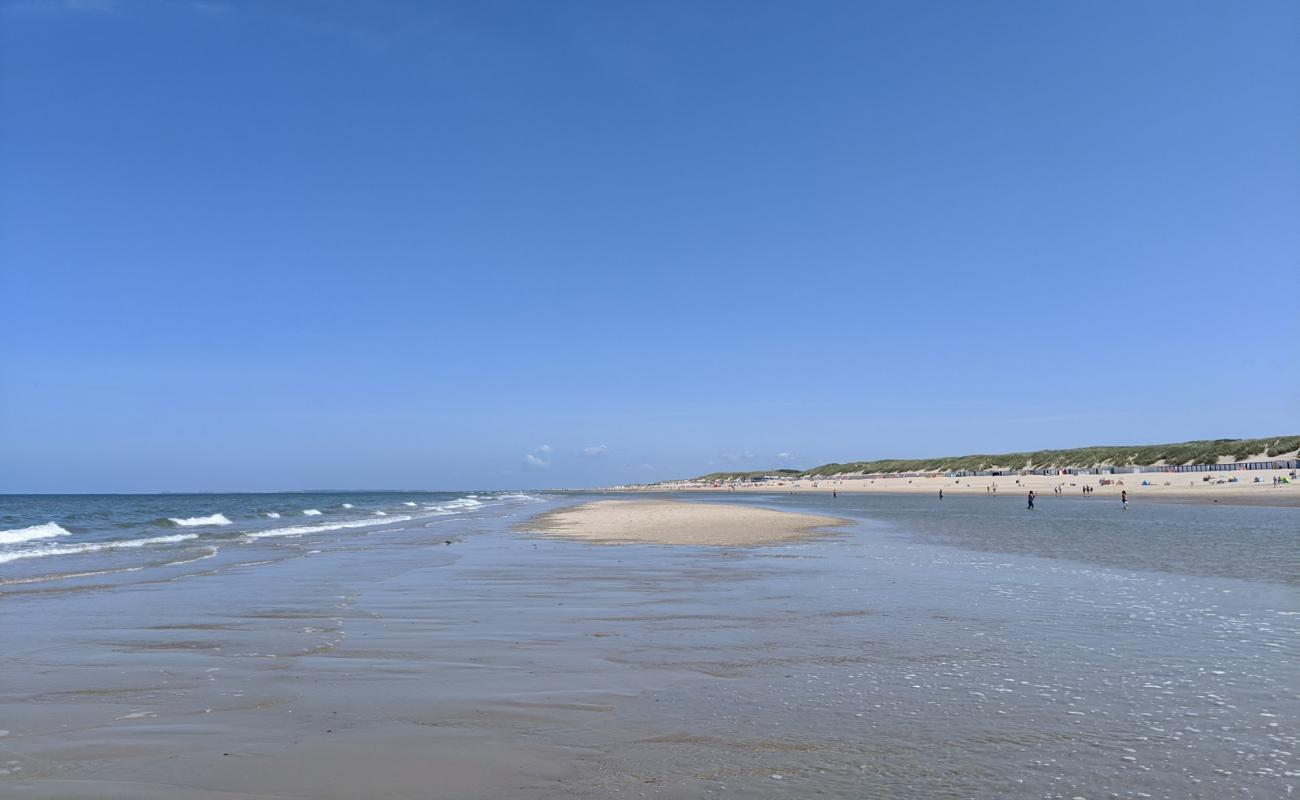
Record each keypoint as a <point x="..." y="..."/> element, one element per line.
<point x="675" y="522"/>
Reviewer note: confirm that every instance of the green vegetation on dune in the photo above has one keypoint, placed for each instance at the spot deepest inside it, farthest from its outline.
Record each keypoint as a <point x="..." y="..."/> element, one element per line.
<point x="1199" y="452"/>
<point x="729" y="476"/>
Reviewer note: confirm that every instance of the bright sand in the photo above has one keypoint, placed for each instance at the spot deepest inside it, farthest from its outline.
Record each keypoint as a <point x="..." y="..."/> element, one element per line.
<point x="1180" y="486"/>
<point x="670" y="522"/>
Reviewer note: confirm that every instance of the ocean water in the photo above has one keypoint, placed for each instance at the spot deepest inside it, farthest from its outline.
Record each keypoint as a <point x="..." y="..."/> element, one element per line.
<point x="963" y="649"/>
<point x="1255" y="543"/>
<point x="58" y="537"/>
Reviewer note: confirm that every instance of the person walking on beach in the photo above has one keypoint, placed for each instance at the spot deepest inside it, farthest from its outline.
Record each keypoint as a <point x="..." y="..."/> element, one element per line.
<point x="1123" y="498"/>
<point x="1030" y="507"/>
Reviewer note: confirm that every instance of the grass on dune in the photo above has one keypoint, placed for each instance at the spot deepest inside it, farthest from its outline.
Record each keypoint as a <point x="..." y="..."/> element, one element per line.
<point x="1208" y="451"/>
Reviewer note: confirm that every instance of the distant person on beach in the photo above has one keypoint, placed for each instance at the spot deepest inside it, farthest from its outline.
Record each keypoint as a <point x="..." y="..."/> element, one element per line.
<point x="941" y="494"/>
<point x="834" y="494"/>
<point x="1031" y="500"/>
<point x="1123" y="498"/>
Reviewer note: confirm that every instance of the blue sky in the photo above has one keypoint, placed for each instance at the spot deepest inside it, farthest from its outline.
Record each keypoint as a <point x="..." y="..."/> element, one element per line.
<point x="326" y="244"/>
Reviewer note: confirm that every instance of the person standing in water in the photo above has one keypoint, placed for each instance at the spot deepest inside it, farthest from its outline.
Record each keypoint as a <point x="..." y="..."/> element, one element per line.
<point x="941" y="494"/>
<point x="1123" y="498"/>
<point x="1030" y="507"/>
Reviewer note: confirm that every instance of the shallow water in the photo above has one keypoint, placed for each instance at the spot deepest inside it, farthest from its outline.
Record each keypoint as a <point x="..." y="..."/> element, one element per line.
<point x="1248" y="542"/>
<point x="886" y="661"/>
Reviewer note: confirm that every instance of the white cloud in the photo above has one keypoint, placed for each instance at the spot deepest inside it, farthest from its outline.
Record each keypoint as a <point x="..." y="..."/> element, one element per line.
<point x="785" y="457"/>
<point x="544" y="448"/>
<point x="594" y="450"/>
<point x="744" y="455"/>
<point x="533" y="462"/>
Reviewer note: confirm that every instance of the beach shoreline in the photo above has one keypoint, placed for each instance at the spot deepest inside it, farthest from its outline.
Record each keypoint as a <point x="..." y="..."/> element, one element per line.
<point x="1160" y="486"/>
<point x="468" y="655"/>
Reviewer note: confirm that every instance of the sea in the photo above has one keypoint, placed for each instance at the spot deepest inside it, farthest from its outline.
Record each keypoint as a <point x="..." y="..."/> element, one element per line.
<point x="429" y="644"/>
<point x="59" y="537"/>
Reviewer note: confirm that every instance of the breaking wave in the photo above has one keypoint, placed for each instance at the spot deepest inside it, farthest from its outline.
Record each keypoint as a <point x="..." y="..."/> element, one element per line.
<point x="310" y="512"/>
<point x="299" y="530"/>
<point x="464" y="502"/>
<point x="191" y="522"/>
<point x="91" y="547"/>
<point x="46" y="531"/>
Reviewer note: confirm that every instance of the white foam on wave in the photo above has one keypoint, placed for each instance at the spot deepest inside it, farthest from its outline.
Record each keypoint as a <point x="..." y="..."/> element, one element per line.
<point x="300" y="530"/>
<point x="92" y="547"/>
<point x="211" y="549"/>
<point x="408" y="503"/>
<point x="347" y="505"/>
<point x="381" y="513"/>
<point x="17" y="535"/>
<point x="273" y="514"/>
<point x="515" y="497"/>
<point x="191" y="522"/>
<point x="460" y="506"/>
<point x="310" y="512"/>
<point x="464" y="502"/>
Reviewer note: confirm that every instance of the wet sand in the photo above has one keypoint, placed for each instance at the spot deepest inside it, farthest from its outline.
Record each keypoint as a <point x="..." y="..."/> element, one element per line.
<point x="671" y="522"/>
<point x="869" y="663"/>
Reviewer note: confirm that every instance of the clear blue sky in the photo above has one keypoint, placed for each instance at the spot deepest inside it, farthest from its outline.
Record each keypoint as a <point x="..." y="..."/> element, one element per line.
<point x="328" y="244"/>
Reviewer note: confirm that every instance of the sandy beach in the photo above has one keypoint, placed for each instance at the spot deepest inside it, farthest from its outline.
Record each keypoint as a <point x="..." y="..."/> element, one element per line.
<point x="670" y="522"/>
<point x="590" y="400"/>
<point x="1179" y="487"/>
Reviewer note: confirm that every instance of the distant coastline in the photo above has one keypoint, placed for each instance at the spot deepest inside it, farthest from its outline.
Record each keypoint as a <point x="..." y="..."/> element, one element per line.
<point x="1233" y="471"/>
<point x="1109" y="458"/>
